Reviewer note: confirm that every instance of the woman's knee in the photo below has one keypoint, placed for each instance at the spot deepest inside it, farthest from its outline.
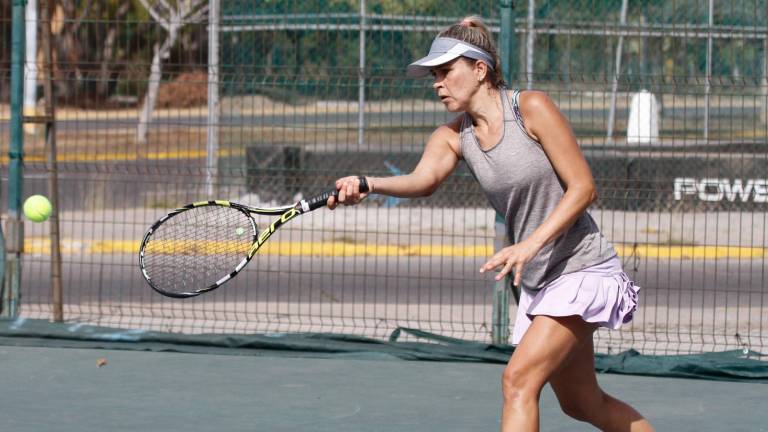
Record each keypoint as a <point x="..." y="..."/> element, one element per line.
<point x="518" y="384"/>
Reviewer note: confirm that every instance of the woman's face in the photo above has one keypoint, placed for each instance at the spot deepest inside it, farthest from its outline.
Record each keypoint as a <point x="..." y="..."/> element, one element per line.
<point x="455" y="83"/>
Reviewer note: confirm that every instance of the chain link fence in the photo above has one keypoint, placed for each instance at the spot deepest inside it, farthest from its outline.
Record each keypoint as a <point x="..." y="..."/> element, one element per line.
<point x="264" y="102"/>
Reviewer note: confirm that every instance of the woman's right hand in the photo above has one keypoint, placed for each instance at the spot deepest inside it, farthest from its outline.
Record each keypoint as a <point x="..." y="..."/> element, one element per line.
<point x="349" y="191"/>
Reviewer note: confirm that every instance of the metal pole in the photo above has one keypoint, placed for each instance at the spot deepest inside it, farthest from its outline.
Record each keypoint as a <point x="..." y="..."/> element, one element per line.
<point x="617" y="72"/>
<point x="708" y="77"/>
<point x="500" y="315"/>
<point x="214" y="107"/>
<point x="2" y="272"/>
<point x="52" y="168"/>
<point x="507" y="39"/>
<point x="361" y="80"/>
<point x="15" y="226"/>
<point x="765" y="82"/>
<point x="30" y="69"/>
<point x="529" y="45"/>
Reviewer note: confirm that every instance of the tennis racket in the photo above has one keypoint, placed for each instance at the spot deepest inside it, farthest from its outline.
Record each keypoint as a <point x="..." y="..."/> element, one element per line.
<point x="199" y="247"/>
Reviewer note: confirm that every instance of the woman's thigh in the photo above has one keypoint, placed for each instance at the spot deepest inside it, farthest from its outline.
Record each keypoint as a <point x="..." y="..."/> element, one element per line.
<point x="575" y="383"/>
<point x="547" y="345"/>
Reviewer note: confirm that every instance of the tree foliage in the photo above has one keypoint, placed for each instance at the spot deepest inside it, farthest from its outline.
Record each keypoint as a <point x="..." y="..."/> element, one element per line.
<point x="105" y="48"/>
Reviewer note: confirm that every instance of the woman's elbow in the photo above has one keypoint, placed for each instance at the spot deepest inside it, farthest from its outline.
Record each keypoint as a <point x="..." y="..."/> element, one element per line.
<point x="429" y="189"/>
<point x="585" y="194"/>
<point x="592" y="195"/>
<point x="427" y="186"/>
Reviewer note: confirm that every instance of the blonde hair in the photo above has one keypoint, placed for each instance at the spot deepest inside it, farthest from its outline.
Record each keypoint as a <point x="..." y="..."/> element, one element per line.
<point x="472" y="30"/>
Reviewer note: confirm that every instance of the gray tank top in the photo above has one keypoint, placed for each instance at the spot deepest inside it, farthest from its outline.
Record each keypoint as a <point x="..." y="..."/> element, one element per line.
<point x="521" y="184"/>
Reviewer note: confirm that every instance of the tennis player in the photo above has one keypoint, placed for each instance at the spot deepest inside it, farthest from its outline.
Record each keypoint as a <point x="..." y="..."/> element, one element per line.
<point x="522" y="151"/>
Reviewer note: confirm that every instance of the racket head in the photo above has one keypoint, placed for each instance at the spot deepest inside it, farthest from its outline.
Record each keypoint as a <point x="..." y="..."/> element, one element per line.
<point x="197" y="248"/>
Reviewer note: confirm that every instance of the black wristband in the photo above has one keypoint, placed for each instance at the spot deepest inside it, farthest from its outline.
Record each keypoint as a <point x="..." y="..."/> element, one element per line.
<point x="363" y="184"/>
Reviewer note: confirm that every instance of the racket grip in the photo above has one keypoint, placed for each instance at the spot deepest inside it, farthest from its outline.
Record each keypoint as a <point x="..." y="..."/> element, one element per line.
<point x="321" y="200"/>
<point x="318" y="201"/>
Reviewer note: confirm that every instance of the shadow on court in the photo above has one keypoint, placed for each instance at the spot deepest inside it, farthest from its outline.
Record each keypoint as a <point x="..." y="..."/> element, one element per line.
<point x="65" y="389"/>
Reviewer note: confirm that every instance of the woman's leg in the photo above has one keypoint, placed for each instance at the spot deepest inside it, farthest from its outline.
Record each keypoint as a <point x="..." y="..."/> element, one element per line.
<point x="546" y="346"/>
<point x="575" y="385"/>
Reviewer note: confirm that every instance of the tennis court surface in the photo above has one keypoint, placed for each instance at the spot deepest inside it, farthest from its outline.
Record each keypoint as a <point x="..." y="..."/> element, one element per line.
<point x="71" y="377"/>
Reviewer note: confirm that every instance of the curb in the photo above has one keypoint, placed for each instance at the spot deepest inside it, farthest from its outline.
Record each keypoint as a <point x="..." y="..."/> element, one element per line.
<point x="42" y="246"/>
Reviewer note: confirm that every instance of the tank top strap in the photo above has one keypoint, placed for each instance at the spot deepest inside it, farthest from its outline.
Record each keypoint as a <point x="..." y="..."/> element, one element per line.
<point x="465" y="122"/>
<point x="514" y="105"/>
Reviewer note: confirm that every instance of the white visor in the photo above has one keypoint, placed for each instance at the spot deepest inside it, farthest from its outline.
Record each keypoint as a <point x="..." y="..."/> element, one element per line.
<point x="444" y="50"/>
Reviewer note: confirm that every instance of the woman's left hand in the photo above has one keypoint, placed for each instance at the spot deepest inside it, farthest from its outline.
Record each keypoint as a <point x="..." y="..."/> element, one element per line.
<point x="510" y="258"/>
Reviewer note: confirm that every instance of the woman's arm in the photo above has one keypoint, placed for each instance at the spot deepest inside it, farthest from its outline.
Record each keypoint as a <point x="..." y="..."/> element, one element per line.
<point x="439" y="159"/>
<point x="549" y="126"/>
<point x="545" y="123"/>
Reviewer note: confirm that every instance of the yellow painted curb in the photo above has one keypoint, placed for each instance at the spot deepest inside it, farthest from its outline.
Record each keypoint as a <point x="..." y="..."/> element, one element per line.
<point x="42" y="245"/>
<point x="690" y="252"/>
<point x="126" y="156"/>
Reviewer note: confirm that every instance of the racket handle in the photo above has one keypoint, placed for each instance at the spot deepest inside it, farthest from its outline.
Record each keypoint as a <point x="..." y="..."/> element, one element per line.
<point x="320" y="200"/>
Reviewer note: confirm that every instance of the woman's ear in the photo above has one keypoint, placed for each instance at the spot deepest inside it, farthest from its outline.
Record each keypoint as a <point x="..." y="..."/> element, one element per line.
<point x="481" y="70"/>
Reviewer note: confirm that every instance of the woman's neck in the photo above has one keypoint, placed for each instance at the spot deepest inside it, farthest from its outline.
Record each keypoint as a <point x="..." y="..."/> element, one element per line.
<point x="485" y="108"/>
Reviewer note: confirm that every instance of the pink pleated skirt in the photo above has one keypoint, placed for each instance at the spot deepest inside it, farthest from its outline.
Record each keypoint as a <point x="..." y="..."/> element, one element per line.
<point x="601" y="294"/>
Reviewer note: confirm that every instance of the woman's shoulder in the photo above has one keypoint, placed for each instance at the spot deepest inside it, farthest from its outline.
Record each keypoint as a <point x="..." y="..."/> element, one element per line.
<point x="527" y="100"/>
<point x="532" y="99"/>
<point x="536" y="110"/>
<point x="449" y="133"/>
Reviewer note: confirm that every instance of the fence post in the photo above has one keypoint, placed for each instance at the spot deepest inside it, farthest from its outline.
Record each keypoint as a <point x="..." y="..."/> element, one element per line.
<point x="507" y="39"/>
<point x="15" y="226"/>
<point x="30" y="67"/>
<point x="361" y="80"/>
<point x="212" y="145"/>
<point x="616" y="73"/>
<point x="500" y="316"/>
<point x="708" y="77"/>
<point x="57" y="292"/>
<point x="531" y="37"/>
<point x="765" y="82"/>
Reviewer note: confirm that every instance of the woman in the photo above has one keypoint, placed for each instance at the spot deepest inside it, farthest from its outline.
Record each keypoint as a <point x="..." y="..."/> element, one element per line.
<point x="522" y="151"/>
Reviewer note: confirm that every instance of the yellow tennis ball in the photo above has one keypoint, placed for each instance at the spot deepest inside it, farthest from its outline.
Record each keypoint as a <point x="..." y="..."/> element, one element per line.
<point x="37" y="208"/>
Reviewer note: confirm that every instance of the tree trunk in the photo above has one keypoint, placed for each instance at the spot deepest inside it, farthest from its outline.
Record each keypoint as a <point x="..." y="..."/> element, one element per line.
<point x="108" y="52"/>
<point x="69" y="50"/>
<point x="155" y="74"/>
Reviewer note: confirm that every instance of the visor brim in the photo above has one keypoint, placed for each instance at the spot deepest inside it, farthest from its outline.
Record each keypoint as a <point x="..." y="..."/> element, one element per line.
<point x="421" y="68"/>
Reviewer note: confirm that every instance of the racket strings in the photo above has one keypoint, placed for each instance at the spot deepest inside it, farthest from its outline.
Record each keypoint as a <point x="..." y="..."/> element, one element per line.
<point x="196" y="248"/>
